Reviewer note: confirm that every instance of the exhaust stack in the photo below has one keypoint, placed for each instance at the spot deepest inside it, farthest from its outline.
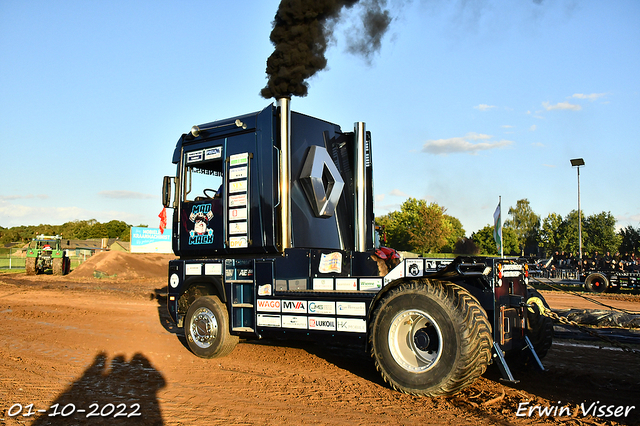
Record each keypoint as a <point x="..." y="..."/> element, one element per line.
<point x="360" y="227"/>
<point x="285" y="172"/>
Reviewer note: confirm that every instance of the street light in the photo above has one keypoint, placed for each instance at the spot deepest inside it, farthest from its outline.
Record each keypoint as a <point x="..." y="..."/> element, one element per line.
<point x="577" y="162"/>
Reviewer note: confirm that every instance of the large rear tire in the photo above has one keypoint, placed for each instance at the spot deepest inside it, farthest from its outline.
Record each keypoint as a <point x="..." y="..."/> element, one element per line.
<point x="596" y="283"/>
<point x="430" y="338"/>
<point x="30" y="266"/>
<point x="206" y="327"/>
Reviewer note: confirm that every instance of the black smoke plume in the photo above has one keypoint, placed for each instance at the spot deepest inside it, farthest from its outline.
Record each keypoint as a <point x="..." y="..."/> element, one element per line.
<point x="301" y="32"/>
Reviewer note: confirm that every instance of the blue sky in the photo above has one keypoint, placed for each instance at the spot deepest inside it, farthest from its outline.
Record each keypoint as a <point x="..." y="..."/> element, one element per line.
<point x="467" y="101"/>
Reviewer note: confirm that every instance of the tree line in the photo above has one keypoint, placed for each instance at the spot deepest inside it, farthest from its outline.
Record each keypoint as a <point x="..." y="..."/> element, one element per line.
<point x="423" y="227"/>
<point x="76" y="230"/>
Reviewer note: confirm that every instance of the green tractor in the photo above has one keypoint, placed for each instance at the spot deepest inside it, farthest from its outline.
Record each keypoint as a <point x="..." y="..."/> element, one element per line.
<point x="45" y="252"/>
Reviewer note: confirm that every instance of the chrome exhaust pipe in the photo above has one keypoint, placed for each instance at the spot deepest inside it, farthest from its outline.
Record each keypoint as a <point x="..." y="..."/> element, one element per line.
<point x="360" y="185"/>
<point x="285" y="173"/>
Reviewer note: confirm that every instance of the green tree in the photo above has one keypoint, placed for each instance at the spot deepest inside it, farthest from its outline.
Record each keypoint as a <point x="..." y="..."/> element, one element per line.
<point x="526" y="225"/>
<point x="487" y="245"/>
<point x="601" y="229"/>
<point x="457" y="234"/>
<point x="418" y="226"/>
<point x="549" y="238"/>
<point x="629" y="240"/>
<point x="567" y="233"/>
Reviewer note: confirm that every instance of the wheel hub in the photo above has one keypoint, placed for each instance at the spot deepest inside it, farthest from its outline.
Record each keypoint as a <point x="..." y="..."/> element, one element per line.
<point x="204" y="328"/>
<point x="415" y="340"/>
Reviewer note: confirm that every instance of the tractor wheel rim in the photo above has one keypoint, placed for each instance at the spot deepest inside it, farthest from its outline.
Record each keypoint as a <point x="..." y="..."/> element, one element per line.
<point x="415" y="340"/>
<point x="203" y="328"/>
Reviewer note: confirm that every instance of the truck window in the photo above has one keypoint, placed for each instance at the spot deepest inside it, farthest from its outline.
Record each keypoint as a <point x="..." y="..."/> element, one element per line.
<point x="202" y="180"/>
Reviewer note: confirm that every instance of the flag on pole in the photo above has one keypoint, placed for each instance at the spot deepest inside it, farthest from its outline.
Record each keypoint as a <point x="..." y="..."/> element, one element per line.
<point x="497" y="228"/>
<point x="163" y="219"/>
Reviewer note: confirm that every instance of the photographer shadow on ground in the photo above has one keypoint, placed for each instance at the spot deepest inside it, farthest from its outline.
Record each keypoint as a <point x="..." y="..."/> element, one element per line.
<point x="118" y="392"/>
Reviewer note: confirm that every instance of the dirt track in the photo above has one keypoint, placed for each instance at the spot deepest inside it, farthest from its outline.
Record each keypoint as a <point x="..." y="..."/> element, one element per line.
<point x="83" y="341"/>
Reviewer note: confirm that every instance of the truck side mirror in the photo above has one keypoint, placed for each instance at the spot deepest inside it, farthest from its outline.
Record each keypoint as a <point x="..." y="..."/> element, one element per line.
<point x="166" y="191"/>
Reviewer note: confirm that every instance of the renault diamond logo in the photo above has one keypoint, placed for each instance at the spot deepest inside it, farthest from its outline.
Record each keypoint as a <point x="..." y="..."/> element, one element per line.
<point x="321" y="181"/>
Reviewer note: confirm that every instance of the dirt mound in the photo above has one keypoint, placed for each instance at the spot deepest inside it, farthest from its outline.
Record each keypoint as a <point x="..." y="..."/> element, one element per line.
<point x="115" y="264"/>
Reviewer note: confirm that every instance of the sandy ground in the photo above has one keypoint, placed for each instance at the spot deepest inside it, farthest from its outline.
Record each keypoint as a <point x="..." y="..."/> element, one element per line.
<point x="102" y="351"/>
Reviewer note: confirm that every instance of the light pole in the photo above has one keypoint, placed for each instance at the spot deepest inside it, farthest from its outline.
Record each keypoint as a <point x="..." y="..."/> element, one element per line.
<point x="577" y="162"/>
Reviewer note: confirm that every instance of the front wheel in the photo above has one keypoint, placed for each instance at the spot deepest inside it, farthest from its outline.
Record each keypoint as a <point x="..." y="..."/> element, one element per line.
<point x="30" y="266"/>
<point x="430" y="338"/>
<point x="206" y="328"/>
<point x="58" y="266"/>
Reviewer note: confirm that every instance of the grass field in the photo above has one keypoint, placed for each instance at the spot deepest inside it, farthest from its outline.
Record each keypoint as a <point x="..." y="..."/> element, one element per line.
<point x="17" y="263"/>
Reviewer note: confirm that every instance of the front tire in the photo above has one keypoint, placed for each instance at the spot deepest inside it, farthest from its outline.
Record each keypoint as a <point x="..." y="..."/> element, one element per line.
<point x="58" y="266"/>
<point x="430" y="338"/>
<point x="206" y="327"/>
<point x="30" y="266"/>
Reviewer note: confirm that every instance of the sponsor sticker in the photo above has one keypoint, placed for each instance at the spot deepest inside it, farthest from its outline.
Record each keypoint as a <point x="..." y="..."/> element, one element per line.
<point x="331" y="262"/>
<point x="238" y="242"/>
<point x="193" y="269"/>
<point x="238" y="173"/>
<point x="213" y="153"/>
<point x="266" y="320"/>
<point x="346" y="284"/>
<point x="239" y="159"/>
<point x="195" y="156"/>
<point x="236" y="228"/>
<point x="294" y="306"/>
<point x="353" y="325"/>
<point x="512" y="267"/>
<point x="238" y="214"/>
<point x="294" y="321"/>
<point x="323" y="308"/>
<point x="213" y="269"/>
<point x="414" y="267"/>
<point x="323" y="283"/>
<point x="351" y="308"/>
<point x="264" y="290"/>
<point x="266" y="305"/>
<point x="370" y="284"/>
<point x="237" y="186"/>
<point x="320" y="323"/>
<point x="237" y="200"/>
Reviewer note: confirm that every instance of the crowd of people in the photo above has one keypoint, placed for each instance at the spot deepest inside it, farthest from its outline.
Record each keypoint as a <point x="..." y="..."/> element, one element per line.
<point x="562" y="263"/>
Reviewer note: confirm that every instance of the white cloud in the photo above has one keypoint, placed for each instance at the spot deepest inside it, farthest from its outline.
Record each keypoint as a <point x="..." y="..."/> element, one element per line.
<point x="561" y="105"/>
<point x="538" y="144"/>
<point x="23" y="197"/>
<point x="533" y="129"/>
<point x="551" y="166"/>
<point x="380" y="197"/>
<point x="125" y="195"/>
<point x="484" y="107"/>
<point x="507" y="126"/>
<point x="592" y="97"/>
<point x="463" y="144"/>
<point x="398" y="193"/>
